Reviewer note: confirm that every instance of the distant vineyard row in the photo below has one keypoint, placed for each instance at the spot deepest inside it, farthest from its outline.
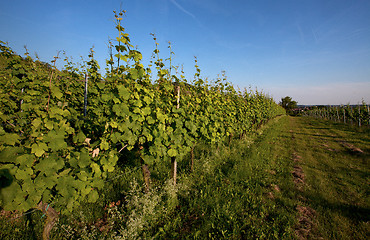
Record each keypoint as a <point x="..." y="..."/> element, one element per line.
<point x="358" y="115"/>
<point x="53" y="153"/>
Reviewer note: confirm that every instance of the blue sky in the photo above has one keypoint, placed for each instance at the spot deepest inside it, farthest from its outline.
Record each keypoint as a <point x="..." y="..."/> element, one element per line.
<point x="317" y="52"/>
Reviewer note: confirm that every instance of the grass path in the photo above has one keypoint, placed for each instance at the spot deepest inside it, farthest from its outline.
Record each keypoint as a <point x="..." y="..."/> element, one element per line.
<point x="334" y="159"/>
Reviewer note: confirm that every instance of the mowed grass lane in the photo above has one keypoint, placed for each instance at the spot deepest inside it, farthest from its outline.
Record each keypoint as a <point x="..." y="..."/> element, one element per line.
<point x="334" y="159"/>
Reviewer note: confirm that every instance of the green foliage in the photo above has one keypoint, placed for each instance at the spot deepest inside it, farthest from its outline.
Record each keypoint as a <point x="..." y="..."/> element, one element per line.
<point x="224" y="198"/>
<point x="59" y="156"/>
<point x="288" y="104"/>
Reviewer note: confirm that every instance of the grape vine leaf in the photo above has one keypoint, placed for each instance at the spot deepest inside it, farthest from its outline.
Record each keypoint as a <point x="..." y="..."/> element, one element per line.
<point x="10" y="139"/>
<point x="39" y="148"/>
<point x="93" y="196"/>
<point x="123" y="92"/>
<point x="84" y="159"/>
<point x="23" y="174"/>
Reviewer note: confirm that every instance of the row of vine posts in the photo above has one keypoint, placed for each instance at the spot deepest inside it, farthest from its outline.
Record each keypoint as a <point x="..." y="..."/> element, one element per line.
<point x="359" y="115"/>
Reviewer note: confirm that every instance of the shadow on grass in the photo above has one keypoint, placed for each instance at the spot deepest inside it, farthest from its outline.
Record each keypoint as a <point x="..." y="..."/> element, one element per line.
<point x="352" y="212"/>
<point x="364" y="131"/>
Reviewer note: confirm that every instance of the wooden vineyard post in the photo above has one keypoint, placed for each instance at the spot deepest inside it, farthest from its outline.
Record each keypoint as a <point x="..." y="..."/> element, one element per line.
<point x="146" y="175"/>
<point x="145" y="169"/>
<point x="173" y="159"/>
<point x="344" y="115"/>
<point x="338" y="115"/>
<point x="20" y="105"/>
<point x="359" y="115"/>
<point x="174" y="170"/>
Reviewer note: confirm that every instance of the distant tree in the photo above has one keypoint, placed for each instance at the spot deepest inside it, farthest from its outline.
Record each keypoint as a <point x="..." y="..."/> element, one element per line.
<point x="288" y="104"/>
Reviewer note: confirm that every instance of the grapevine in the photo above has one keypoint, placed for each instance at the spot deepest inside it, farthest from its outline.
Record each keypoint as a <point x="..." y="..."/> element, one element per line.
<point x="54" y="154"/>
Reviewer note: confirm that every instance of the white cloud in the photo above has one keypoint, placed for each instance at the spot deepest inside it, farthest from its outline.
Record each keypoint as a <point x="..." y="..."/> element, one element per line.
<point x="183" y="9"/>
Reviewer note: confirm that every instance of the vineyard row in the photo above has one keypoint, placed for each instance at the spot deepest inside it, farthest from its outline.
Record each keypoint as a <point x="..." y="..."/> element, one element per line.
<point x="62" y="133"/>
<point x="358" y="115"/>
